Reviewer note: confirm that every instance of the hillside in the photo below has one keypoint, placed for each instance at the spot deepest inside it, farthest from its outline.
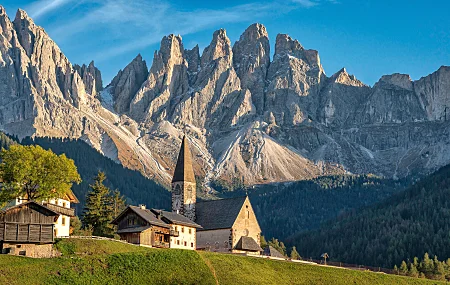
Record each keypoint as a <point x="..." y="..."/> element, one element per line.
<point x="404" y="226"/>
<point x="108" y="262"/>
<point x="291" y="208"/>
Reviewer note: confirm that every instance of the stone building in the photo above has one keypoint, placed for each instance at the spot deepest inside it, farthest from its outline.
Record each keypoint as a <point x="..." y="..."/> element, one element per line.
<point x="227" y="225"/>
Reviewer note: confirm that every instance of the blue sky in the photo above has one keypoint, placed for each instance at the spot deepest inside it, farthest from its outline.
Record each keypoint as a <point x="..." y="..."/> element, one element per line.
<point x="369" y="38"/>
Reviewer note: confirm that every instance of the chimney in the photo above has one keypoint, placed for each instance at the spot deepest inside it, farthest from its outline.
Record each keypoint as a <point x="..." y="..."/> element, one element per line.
<point x="142" y="206"/>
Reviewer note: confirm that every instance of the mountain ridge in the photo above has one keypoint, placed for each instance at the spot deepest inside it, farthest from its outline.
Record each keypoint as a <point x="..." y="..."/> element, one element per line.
<point x="248" y="118"/>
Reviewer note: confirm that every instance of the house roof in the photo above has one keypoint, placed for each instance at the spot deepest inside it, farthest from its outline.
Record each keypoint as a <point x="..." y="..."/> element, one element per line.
<point x="218" y="214"/>
<point x="174" y="218"/>
<point x="35" y="204"/>
<point x="146" y="214"/>
<point x="247" y="244"/>
<point x="270" y="251"/>
<point x="72" y="198"/>
<point x="133" y="230"/>
<point x="183" y="169"/>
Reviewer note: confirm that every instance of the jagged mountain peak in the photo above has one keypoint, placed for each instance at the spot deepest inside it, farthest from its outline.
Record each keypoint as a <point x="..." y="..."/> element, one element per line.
<point x="254" y="32"/>
<point x="220" y="47"/>
<point x="2" y="11"/>
<point x="251" y="59"/>
<point x="343" y="77"/>
<point x="398" y="80"/>
<point x="171" y="48"/>
<point x="22" y="14"/>
<point x="285" y="44"/>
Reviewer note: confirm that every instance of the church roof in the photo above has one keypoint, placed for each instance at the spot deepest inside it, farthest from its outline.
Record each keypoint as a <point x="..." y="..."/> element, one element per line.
<point x="183" y="169"/>
<point x="174" y="218"/>
<point x="218" y="214"/>
<point x="248" y="244"/>
<point x="270" y="251"/>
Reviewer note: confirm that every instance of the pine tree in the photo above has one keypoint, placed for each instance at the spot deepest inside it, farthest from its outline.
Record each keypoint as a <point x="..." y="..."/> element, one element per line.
<point x="439" y="271"/>
<point x="99" y="209"/>
<point x="426" y="266"/>
<point x="262" y="241"/>
<point x="294" y="254"/>
<point x="404" y="268"/>
<point x="118" y="203"/>
<point x="413" y="271"/>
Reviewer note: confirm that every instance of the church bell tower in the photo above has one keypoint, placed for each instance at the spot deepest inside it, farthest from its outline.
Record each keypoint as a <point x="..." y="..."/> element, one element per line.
<point x="183" y="183"/>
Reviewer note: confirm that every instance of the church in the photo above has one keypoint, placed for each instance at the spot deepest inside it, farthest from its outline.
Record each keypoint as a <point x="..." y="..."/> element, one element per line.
<point x="226" y="225"/>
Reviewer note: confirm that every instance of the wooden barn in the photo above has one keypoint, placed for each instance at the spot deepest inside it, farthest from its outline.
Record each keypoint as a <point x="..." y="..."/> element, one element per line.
<point x="24" y="226"/>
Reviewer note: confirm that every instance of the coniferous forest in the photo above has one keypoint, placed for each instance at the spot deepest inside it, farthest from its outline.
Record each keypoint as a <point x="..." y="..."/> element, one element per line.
<point x="405" y="226"/>
<point x="290" y="208"/>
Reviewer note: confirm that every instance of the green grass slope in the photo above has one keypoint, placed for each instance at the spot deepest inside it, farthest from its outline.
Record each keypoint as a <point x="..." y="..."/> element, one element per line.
<point x="109" y="262"/>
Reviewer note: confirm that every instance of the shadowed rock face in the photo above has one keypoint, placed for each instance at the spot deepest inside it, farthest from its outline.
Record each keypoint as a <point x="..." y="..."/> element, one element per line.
<point x="127" y="82"/>
<point x="251" y="59"/>
<point x="248" y="119"/>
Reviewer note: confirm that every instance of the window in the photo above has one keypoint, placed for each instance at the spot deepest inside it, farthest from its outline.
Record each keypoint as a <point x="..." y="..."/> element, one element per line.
<point x="63" y="221"/>
<point x="177" y="189"/>
<point x="182" y="229"/>
<point x="176" y="228"/>
<point x="192" y="244"/>
<point x="64" y="204"/>
<point x="178" y="242"/>
<point x="190" y="231"/>
<point x="131" y="221"/>
<point x="248" y="214"/>
<point x="185" y="243"/>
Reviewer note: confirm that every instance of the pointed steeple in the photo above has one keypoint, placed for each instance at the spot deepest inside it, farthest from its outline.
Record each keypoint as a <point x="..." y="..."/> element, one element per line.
<point x="184" y="171"/>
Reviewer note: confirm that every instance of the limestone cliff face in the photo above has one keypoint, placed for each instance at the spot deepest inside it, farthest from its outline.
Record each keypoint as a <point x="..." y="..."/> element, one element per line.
<point x="165" y="85"/>
<point x="248" y="118"/>
<point x="92" y="78"/>
<point x="42" y="94"/>
<point x="433" y="93"/>
<point x="295" y="78"/>
<point x="251" y="59"/>
<point x="126" y="83"/>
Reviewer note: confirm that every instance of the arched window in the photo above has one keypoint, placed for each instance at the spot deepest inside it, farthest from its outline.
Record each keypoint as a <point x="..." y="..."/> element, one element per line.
<point x="177" y="190"/>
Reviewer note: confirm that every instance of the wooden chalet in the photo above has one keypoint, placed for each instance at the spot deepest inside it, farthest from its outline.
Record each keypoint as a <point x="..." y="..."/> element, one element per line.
<point x="154" y="228"/>
<point x="139" y="225"/>
<point x="24" y="225"/>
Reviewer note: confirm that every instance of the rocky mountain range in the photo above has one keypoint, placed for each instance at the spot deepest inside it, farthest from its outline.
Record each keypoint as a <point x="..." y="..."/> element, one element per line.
<point x="251" y="117"/>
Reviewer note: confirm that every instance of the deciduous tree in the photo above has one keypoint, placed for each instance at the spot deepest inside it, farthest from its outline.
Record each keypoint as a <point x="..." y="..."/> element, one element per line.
<point x="32" y="173"/>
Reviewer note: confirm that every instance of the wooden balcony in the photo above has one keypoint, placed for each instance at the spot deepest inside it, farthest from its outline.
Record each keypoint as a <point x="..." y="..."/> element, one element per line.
<point x="59" y="209"/>
<point x="174" y="233"/>
<point x="26" y="233"/>
<point x="161" y="244"/>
